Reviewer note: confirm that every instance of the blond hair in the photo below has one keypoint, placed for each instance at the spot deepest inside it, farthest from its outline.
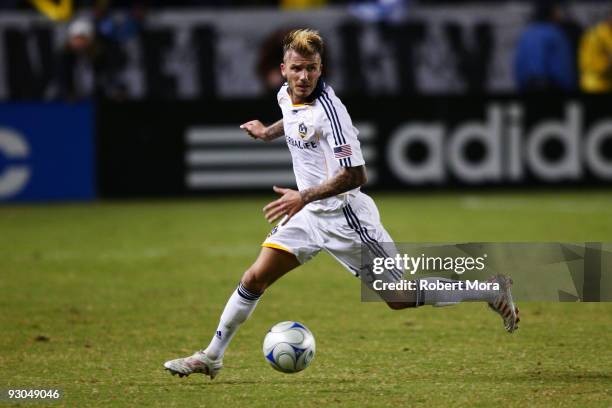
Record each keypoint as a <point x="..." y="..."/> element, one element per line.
<point x="304" y="41"/>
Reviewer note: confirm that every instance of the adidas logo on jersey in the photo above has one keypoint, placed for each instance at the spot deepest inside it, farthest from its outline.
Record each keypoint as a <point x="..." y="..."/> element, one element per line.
<point x="273" y="231"/>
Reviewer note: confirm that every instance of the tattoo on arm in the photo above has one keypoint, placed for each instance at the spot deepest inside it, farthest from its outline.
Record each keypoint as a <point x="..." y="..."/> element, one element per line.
<point x="347" y="179"/>
<point x="275" y="130"/>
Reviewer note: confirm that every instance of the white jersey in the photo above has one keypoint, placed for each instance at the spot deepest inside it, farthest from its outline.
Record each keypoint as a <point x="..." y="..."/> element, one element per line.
<point x="322" y="139"/>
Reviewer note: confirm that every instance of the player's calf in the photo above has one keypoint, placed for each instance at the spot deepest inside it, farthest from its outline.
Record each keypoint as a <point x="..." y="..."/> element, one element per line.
<point x="400" y="305"/>
<point x="445" y="292"/>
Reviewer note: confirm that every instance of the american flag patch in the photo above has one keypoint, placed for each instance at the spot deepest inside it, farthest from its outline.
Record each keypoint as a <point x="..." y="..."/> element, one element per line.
<point x="342" y="151"/>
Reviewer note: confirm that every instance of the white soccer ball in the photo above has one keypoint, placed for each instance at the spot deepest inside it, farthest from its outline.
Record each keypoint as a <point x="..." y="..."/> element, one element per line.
<point x="289" y="347"/>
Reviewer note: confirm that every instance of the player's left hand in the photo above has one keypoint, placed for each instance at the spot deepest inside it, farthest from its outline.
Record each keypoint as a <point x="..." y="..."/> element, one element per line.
<point x="288" y="205"/>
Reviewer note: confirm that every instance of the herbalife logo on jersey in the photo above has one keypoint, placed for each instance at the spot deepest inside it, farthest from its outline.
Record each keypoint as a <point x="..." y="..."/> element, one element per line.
<point x="299" y="144"/>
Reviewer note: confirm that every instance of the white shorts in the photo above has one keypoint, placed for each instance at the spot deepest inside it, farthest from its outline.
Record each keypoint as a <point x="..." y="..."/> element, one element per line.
<point x="342" y="233"/>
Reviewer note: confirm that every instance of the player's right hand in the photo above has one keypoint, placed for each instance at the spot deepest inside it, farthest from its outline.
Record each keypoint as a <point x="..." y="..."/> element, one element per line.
<point x="286" y="206"/>
<point x="255" y="129"/>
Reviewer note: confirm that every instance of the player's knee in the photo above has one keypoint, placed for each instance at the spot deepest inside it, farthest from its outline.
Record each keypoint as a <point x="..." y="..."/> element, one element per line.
<point x="254" y="281"/>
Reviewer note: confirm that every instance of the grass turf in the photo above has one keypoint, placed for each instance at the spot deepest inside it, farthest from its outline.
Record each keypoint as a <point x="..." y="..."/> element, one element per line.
<point x="94" y="298"/>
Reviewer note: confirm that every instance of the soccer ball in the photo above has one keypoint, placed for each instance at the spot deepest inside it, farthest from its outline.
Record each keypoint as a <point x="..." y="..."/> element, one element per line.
<point x="289" y="347"/>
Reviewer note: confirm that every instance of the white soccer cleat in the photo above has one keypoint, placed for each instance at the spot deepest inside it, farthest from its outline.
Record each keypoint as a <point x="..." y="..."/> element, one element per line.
<point x="199" y="362"/>
<point x="504" y="305"/>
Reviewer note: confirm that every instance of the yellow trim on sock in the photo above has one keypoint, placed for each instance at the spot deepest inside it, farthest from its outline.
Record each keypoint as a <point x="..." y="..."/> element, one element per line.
<point x="276" y="246"/>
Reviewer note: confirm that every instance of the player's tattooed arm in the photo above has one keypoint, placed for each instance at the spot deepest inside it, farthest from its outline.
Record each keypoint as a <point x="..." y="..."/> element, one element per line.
<point x="347" y="179"/>
<point x="293" y="201"/>
<point x="275" y="130"/>
<point x="257" y="130"/>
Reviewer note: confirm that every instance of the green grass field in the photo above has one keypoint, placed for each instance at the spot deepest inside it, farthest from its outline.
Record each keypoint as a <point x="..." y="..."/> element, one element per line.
<point x="94" y="298"/>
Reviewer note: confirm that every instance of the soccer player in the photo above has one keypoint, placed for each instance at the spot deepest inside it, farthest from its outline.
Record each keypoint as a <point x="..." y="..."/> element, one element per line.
<point x="327" y="212"/>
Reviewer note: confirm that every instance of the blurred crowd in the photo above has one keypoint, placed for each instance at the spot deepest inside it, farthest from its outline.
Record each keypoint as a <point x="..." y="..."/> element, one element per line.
<point x="553" y="52"/>
<point x="27" y="4"/>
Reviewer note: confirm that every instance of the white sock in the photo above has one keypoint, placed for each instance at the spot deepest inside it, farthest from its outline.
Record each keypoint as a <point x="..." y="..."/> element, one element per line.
<point x="450" y="297"/>
<point x="237" y="310"/>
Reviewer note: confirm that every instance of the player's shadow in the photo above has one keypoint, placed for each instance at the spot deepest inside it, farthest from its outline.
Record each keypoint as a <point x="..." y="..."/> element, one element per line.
<point x="242" y="382"/>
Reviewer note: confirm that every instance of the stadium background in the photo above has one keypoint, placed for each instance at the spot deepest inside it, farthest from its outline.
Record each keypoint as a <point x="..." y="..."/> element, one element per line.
<point x="125" y="220"/>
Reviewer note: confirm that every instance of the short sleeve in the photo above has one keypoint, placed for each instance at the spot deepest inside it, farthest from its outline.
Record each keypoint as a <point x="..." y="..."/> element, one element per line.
<point x="340" y="132"/>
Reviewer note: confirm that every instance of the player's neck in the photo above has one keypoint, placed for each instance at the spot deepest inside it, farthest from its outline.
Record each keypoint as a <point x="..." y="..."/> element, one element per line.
<point x="296" y="100"/>
<point x="310" y="98"/>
